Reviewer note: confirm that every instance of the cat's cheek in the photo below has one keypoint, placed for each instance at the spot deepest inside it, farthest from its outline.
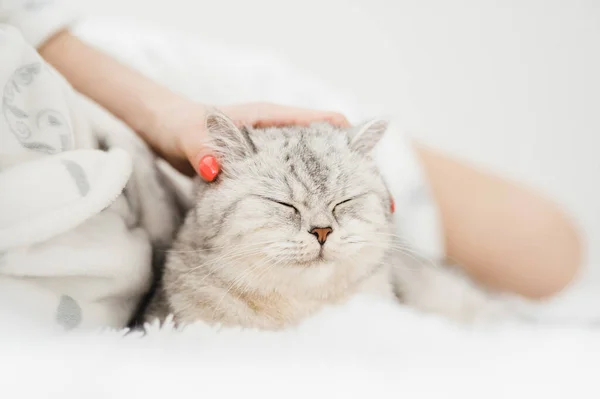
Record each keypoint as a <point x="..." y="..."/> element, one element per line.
<point x="290" y="218"/>
<point x="376" y="208"/>
<point x="357" y="224"/>
<point x="335" y="249"/>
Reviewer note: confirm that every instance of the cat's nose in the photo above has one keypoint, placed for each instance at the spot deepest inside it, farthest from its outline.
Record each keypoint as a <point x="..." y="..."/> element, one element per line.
<point x="321" y="233"/>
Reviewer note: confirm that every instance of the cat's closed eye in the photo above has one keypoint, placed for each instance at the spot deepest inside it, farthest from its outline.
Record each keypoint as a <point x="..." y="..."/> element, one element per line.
<point x="347" y="200"/>
<point x="282" y="203"/>
<point x="343" y="202"/>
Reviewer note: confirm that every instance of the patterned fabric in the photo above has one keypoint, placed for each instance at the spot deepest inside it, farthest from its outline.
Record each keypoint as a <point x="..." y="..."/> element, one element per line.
<point x="77" y="224"/>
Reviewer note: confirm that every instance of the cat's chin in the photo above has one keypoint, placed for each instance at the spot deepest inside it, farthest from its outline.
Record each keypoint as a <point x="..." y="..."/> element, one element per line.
<point x="315" y="262"/>
<point x="323" y="258"/>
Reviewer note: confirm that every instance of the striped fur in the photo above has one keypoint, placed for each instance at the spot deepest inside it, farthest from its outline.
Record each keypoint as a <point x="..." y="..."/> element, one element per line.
<point x="245" y="255"/>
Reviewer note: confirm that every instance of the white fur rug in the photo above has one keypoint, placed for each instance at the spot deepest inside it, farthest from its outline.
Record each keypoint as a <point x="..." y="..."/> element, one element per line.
<point x="365" y="349"/>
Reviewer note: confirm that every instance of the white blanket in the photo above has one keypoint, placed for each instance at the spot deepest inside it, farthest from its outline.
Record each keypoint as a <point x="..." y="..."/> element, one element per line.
<point x="76" y="222"/>
<point x="364" y="349"/>
<point x="361" y="350"/>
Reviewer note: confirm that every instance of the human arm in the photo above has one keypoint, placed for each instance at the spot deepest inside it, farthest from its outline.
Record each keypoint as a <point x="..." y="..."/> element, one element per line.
<point x="501" y="233"/>
<point x="171" y="124"/>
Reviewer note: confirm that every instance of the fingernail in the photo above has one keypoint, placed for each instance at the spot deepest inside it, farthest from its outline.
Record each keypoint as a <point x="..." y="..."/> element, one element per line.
<point x="208" y="168"/>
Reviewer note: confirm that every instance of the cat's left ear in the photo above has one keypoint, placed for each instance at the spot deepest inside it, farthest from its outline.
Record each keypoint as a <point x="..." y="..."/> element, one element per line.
<point x="227" y="140"/>
<point x="365" y="136"/>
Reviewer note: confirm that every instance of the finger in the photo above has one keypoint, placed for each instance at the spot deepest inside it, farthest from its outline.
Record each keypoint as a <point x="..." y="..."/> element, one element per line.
<point x="338" y="120"/>
<point x="310" y="116"/>
<point x="285" y="116"/>
<point x="202" y="161"/>
<point x="208" y="168"/>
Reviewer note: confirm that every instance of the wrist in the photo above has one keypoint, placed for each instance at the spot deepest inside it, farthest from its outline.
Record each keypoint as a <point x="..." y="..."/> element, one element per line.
<point x="54" y="43"/>
<point x="154" y="109"/>
<point x="141" y="103"/>
<point x="172" y="123"/>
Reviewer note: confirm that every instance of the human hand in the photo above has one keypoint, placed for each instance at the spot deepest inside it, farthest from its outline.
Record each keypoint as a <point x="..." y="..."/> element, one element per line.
<point x="180" y="132"/>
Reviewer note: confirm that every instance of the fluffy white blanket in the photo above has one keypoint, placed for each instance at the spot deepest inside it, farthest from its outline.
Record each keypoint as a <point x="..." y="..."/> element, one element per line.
<point x="363" y="349"/>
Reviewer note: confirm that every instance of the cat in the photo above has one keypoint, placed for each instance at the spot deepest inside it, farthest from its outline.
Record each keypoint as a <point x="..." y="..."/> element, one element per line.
<point x="299" y="218"/>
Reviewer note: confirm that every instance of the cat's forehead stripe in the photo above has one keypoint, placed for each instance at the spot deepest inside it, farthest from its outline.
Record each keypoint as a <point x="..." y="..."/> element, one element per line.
<point x="315" y="166"/>
<point x="296" y="177"/>
<point x="309" y="161"/>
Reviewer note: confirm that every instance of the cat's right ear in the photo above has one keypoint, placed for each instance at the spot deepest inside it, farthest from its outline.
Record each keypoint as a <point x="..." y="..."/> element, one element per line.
<point x="226" y="140"/>
<point x="365" y="136"/>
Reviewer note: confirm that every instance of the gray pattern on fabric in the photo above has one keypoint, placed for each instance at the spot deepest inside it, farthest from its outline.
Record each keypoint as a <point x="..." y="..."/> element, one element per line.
<point x="68" y="313"/>
<point x="46" y="130"/>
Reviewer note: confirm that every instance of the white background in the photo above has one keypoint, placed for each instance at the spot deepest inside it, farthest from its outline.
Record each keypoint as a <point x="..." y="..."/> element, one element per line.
<point x="511" y="85"/>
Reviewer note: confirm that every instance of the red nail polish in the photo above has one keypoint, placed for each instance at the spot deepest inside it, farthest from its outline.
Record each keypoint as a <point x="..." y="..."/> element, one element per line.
<point x="208" y="168"/>
<point x="392" y="205"/>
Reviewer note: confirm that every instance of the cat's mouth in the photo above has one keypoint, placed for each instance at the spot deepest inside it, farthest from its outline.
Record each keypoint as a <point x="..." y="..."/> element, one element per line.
<point x="318" y="260"/>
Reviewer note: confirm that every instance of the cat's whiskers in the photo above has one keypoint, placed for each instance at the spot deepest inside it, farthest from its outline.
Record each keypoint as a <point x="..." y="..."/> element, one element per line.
<point x="268" y="267"/>
<point x="394" y="236"/>
<point x="397" y="240"/>
<point x="397" y="244"/>
<point x="231" y="255"/>
<point x="367" y="275"/>
<point x="238" y="249"/>
<point x="258" y="279"/>
<point x="225" y="260"/>
<point x="246" y="272"/>
<point x="216" y="248"/>
<point x="214" y="265"/>
<point x="406" y="251"/>
<point x="291" y="253"/>
<point x="215" y="271"/>
<point x="241" y="275"/>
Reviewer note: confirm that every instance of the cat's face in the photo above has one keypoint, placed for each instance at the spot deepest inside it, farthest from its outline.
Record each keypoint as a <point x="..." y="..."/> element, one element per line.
<point x="294" y="206"/>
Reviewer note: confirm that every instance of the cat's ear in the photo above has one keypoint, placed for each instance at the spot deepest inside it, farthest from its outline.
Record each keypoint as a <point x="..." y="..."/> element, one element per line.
<point x="227" y="141"/>
<point x="365" y="136"/>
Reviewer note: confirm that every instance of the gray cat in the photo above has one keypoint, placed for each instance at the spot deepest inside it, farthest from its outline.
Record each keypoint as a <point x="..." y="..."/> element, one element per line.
<point x="299" y="218"/>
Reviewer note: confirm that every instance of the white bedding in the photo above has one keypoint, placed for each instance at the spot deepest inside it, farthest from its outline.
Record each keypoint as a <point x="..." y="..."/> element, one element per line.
<point x="360" y="350"/>
<point x="364" y="349"/>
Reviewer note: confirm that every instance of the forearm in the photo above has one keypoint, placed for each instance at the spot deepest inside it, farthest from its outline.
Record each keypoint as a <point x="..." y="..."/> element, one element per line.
<point x="502" y="234"/>
<point x="173" y="125"/>
<point x="124" y="92"/>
